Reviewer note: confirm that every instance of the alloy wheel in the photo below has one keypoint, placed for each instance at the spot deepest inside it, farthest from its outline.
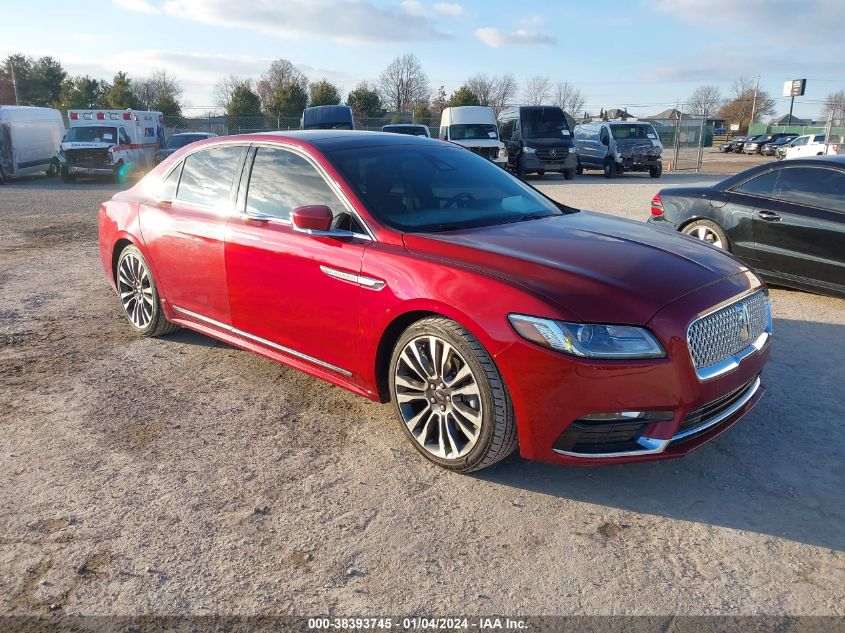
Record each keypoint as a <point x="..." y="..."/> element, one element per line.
<point x="136" y="292"/>
<point x="706" y="235"/>
<point x="438" y="397"/>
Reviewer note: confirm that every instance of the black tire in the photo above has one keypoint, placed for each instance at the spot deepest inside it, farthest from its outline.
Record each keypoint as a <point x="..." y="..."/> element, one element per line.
<point x="158" y="325"/>
<point x="655" y="172"/>
<point x="708" y="225"/>
<point x="497" y="434"/>
<point x="568" y="174"/>
<point x="67" y="177"/>
<point x="518" y="169"/>
<point x="53" y="169"/>
<point x="609" y="170"/>
<point x="580" y="169"/>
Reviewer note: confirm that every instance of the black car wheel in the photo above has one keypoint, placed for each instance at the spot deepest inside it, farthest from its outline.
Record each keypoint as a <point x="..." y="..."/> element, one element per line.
<point x="67" y="177"/>
<point x="707" y="231"/>
<point x="655" y="172"/>
<point x="568" y="174"/>
<point x="609" y="169"/>
<point x="53" y="168"/>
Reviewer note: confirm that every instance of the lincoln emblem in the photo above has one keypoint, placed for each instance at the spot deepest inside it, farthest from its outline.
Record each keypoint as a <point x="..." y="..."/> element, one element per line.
<point x="744" y="322"/>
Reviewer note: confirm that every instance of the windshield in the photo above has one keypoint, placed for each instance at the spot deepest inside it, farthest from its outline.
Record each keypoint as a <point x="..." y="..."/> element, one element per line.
<point x="413" y="130"/>
<point x="91" y="134"/>
<point x="633" y="130"/>
<point x="420" y="188"/>
<point x="544" y="123"/>
<point x="180" y="140"/>
<point x="329" y="126"/>
<point x="473" y="132"/>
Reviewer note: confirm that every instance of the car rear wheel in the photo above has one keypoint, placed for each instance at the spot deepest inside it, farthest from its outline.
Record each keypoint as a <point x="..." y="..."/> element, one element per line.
<point x="707" y="231"/>
<point x="138" y="295"/>
<point x="451" y="400"/>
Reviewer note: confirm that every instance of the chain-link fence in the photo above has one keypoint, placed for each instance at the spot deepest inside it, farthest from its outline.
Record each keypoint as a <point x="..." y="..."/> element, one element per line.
<point x="684" y="139"/>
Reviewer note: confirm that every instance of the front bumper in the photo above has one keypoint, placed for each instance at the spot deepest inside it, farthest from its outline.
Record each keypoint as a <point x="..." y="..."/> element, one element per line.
<point x="551" y="392"/>
<point x="531" y="162"/>
<point x="90" y="171"/>
<point x="640" y="163"/>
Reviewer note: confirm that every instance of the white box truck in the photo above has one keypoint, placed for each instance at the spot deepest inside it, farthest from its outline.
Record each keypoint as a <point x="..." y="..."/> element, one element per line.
<point x="29" y="140"/>
<point x="474" y="127"/>
<point x="110" y="143"/>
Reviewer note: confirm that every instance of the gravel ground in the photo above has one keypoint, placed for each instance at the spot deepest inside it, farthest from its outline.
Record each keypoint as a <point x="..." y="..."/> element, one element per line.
<point x="184" y="476"/>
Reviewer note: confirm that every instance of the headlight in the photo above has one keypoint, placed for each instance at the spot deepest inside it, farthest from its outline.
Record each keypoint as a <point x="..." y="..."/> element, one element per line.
<point x="529" y="150"/>
<point x="503" y="153"/>
<point x="588" y="340"/>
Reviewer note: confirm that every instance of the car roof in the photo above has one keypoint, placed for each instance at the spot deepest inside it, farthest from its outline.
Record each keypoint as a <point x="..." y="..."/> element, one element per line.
<point x="329" y="140"/>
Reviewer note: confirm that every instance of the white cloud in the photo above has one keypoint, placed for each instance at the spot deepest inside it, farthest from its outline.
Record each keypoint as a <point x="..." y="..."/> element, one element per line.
<point x="413" y="7"/>
<point x="496" y="38"/>
<point x="449" y="8"/>
<point x="345" y="21"/>
<point x="734" y="15"/>
<point x="140" y="6"/>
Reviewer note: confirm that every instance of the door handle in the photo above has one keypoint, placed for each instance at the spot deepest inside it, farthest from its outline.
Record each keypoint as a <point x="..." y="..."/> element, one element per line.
<point x="769" y="216"/>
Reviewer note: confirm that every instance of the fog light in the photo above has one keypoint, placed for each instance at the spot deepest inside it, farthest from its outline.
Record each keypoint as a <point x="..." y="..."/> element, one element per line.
<point x="651" y="416"/>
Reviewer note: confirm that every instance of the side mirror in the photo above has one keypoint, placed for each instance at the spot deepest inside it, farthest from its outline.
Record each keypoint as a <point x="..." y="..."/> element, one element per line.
<point x="314" y="218"/>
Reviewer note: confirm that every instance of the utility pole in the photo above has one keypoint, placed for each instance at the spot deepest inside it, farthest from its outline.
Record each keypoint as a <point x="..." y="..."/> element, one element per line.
<point x="754" y="102"/>
<point x="14" y="82"/>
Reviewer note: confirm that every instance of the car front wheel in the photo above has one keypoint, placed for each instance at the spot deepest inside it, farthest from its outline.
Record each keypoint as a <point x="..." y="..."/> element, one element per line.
<point x="707" y="231"/>
<point x="139" y="296"/>
<point x="450" y="398"/>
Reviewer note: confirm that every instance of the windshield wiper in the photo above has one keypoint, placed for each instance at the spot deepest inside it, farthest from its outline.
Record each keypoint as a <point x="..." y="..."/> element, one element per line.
<point x="529" y="216"/>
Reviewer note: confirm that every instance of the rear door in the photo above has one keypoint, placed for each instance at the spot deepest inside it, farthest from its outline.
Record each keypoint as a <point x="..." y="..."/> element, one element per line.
<point x="800" y="231"/>
<point x="184" y="229"/>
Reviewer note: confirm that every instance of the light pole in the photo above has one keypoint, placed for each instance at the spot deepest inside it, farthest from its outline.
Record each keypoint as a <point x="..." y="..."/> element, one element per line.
<point x="14" y="82"/>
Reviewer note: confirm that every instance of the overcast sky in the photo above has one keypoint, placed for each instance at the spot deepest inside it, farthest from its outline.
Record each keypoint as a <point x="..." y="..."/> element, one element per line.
<point x="642" y="54"/>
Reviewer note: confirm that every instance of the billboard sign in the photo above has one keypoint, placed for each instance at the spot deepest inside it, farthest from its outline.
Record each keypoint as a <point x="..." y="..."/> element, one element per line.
<point x="794" y="88"/>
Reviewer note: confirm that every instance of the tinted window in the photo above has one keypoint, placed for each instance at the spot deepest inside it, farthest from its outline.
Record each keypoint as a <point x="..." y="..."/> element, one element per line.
<point x="208" y="174"/>
<point x="123" y="137"/>
<point x="180" y="140"/>
<point x="282" y="181"/>
<point x="762" y="185"/>
<point x="167" y="187"/>
<point x="506" y="129"/>
<point x="437" y="188"/>
<point x="604" y="137"/>
<point x="801" y="140"/>
<point x="813" y="186"/>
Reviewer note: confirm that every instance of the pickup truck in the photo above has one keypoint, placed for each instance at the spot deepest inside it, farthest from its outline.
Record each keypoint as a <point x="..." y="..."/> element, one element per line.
<point x="812" y="145"/>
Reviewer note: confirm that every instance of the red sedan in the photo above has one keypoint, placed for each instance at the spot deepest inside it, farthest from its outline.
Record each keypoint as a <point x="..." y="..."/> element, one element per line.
<point x="410" y="270"/>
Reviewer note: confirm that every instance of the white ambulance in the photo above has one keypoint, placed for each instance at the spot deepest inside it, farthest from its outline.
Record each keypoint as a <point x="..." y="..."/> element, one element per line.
<point x="111" y="143"/>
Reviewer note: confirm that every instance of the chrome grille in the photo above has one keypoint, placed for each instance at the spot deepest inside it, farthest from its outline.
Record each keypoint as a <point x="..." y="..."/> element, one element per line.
<point x="728" y="332"/>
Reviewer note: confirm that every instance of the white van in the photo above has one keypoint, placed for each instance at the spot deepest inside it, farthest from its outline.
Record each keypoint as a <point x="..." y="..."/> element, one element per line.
<point x="474" y="127"/>
<point x="29" y="140"/>
<point x="110" y="143"/>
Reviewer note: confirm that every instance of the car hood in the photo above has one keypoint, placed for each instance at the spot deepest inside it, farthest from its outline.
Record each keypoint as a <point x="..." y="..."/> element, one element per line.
<point x="597" y="267"/>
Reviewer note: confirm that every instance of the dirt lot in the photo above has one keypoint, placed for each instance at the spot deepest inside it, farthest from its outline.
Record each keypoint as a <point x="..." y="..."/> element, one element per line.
<point x="183" y="476"/>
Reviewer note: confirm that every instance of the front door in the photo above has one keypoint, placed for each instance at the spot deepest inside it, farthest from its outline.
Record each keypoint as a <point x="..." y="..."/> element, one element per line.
<point x="801" y="234"/>
<point x="297" y="292"/>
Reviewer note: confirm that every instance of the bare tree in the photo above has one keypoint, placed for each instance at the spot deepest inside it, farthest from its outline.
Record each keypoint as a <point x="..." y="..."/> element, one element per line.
<point x="483" y="86"/>
<point x="704" y="100"/>
<point x="506" y="90"/>
<point x="743" y="98"/>
<point x="404" y="84"/>
<point x="226" y="86"/>
<point x="536" y="89"/>
<point x="834" y="107"/>
<point x="568" y="97"/>
<point x="160" y="91"/>
<point x="280" y="75"/>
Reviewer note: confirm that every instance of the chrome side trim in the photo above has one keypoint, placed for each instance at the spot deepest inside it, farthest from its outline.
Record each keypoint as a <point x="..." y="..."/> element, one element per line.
<point x="652" y="446"/>
<point x="262" y="341"/>
<point x="366" y="282"/>
<point x="724" y="415"/>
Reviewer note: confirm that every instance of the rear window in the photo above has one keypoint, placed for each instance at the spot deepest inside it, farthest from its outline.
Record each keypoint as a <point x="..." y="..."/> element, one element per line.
<point x="208" y="175"/>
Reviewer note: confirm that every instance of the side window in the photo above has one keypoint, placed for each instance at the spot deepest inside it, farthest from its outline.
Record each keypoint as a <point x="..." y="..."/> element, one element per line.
<point x="282" y="181"/>
<point x="506" y="129"/>
<point x="813" y="186"/>
<point x="800" y="141"/>
<point x="444" y="133"/>
<point x="604" y="137"/>
<point x="762" y="185"/>
<point x="167" y="188"/>
<point x="123" y="137"/>
<point x="208" y="174"/>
